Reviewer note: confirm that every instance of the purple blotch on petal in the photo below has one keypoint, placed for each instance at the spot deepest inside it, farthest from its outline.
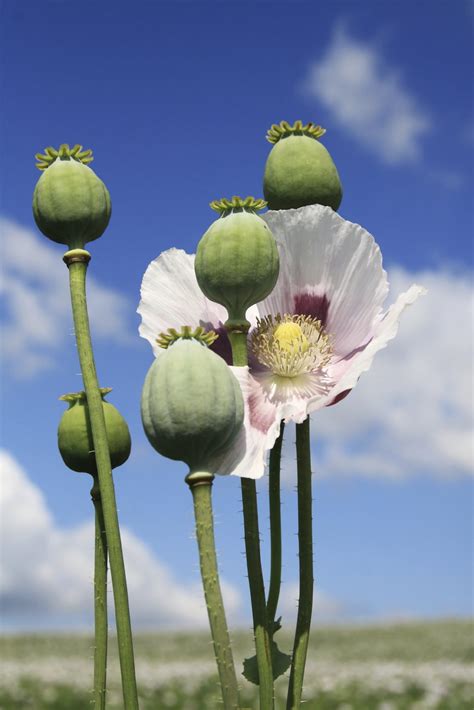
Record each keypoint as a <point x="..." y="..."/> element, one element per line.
<point x="221" y="346"/>
<point x="310" y="304"/>
<point x="342" y="395"/>
<point x="339" y="397"/>
<point x="355" y="351"/>
<point x="254" y="363"/>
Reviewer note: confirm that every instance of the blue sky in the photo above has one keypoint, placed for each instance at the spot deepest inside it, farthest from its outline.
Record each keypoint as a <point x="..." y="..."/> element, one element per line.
<point x="175" y="100"/>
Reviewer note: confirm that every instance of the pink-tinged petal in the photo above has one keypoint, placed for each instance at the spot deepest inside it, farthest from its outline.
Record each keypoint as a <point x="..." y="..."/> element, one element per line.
<point x="171" y="297"/>
<point x="330" y="269"/>
<point x="247" y="456"/>
<point x="345" y="373"/>
<point x="292" y="395"/>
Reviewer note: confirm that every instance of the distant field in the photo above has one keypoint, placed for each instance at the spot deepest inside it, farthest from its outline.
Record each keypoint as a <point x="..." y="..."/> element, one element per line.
<point x="416" y="666"/>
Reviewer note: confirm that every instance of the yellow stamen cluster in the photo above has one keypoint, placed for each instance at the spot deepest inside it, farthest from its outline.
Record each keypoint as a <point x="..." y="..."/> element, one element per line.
<point x="290" y="345"/>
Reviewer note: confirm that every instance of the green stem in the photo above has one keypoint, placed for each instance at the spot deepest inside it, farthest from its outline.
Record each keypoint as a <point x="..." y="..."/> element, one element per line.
<point x="77" y="261"/>
<point x="238" y="340"/>
<point x="275" y="528"/>
<point x="305" y="537"/>
<point x="257" y="593"/>
<point x="200" y="484"/>
<point x="100" y="601"/>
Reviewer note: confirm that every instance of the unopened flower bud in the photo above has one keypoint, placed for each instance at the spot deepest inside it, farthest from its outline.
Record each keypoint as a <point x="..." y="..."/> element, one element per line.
<point x="71" y="205"/>
<point x="299" y="170"/>
<point x="192" y="406"/>
<point x="75" y="435"/>
<point x="237" y="260"/>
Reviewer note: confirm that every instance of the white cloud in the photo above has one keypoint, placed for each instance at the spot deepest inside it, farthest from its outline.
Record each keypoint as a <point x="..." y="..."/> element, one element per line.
<point x="413" y="412"/>
<point x="46" y="571"/>
<point x="367" y="98"/>
<point x="34" y="286"/>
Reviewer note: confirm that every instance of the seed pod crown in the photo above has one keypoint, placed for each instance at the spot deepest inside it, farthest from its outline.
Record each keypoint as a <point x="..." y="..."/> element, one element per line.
<point x="71" y="205"/>
<point x="237" y="261"/>
<point x="75" y="435"/>
<point x="299" y="170"/>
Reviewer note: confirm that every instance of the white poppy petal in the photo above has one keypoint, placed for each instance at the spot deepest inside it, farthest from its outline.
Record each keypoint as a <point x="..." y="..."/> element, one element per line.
<point x="346" y="373"/>
<point x="330" y="269"/>
<point x="171" y="297"/>
<point x="246" y="458"/>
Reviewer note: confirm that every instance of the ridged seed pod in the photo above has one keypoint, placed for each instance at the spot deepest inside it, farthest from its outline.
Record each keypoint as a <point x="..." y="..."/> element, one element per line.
<point x="192" y="406"/>
<point x="75" y="436"/>
<point x="299" y="170"/>
<point x="237" y="260"/>
<point x="71" y="205"/>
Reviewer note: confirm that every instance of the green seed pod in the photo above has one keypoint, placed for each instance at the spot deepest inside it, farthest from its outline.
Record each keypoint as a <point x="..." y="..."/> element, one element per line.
<point x="299" y="170"/>
<point x="237" y="260"/>
<point x="192" y="406"/>
<point x="75" y="435"/>
<point x="71" y="205"/>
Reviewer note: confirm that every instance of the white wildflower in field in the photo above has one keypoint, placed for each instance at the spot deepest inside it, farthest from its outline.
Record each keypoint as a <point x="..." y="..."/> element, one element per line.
<point x="423" y="668"/>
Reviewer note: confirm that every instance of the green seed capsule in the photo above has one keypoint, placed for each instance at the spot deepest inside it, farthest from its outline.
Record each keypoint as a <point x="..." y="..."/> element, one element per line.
<point x="237" y="260"/>
<point x="71" y="205"/>
<point x="192" y="406"/>
<point x="75" y="435"/>
<point x="299" y="170"/>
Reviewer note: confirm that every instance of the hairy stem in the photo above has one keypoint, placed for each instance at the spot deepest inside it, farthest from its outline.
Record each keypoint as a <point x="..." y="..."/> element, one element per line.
<point x="275" y="528"/>
<point x="305" y="543"/>
<point x="238" y="340"/>
<point x="201" y="488"/>
<point x="77" y="261"/>
<point x="257" y="593"/>
<point x="100" y="601"/>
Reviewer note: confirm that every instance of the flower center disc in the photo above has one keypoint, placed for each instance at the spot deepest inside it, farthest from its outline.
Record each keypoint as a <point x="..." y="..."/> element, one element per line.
<point x="290" y="345"/>
<point x="290" y="337"/>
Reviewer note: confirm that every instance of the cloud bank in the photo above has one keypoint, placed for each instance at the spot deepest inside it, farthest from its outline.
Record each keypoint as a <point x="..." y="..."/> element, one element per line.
<point x="37" y="316"/>
<point x="47" y="571"/>
<point x="412" y="413"/>
<point x="368" y="98"/>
